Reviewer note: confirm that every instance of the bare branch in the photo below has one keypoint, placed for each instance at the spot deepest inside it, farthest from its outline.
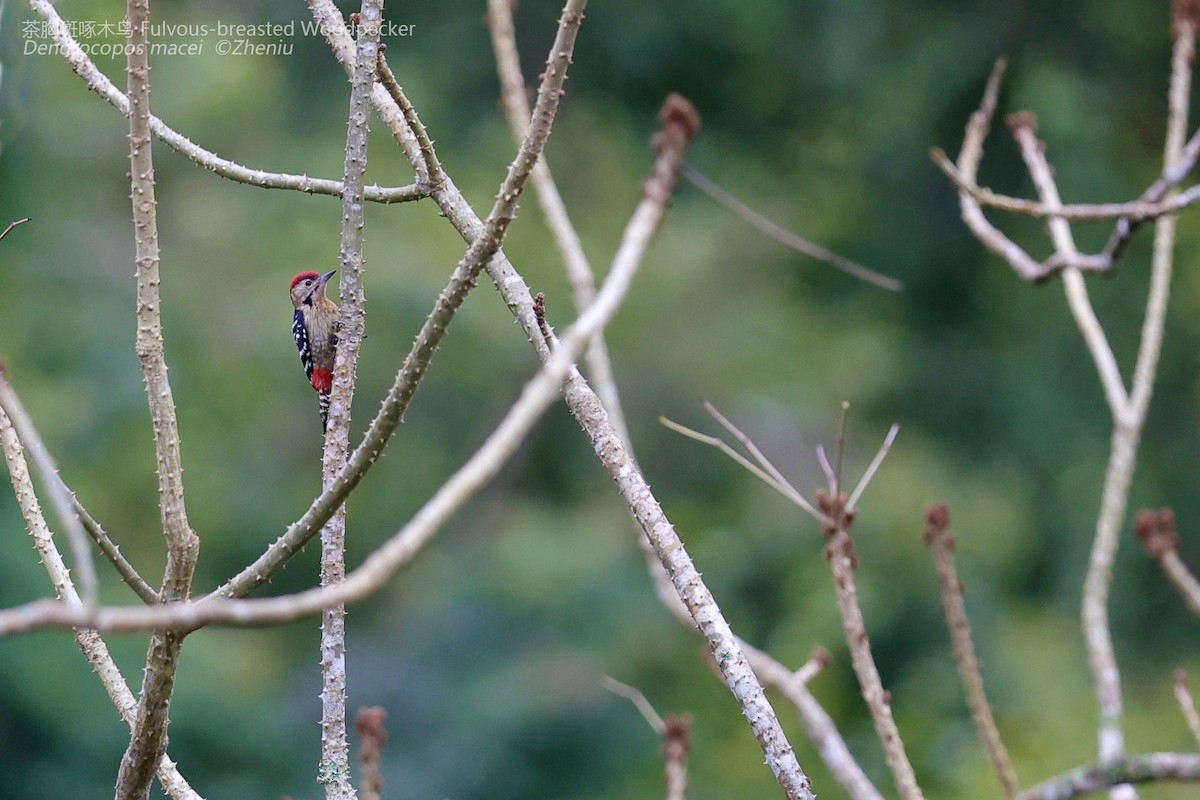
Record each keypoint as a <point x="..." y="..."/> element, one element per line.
<point x="90" y="642"/>
<point x="390" y="414"/>
<point x="579" y="271"/>
<point x="12" y="225"/>
<point x="873" y="467"/>
<point x="776" y="482"/>
<point x="639" y="701"/>
<point x="1133" y="212"/>
<point x="941" y="541"/>
<point x="430" y="169"/>
<point x="783" y="235"/>
<point x="129" y="574"/>
<point x="99" y="83"/>
<point x="817" y="722"/>
<point x="1147" y="768"/>
<point x="148" y="741"/>
<point x="587" y="408"/>
<point x="1186" y="704"/>
<point x="839" y="553"/>
<point x="76" y="519"/>
<point x="334" y="769"/>
<point x="60" y="495"/>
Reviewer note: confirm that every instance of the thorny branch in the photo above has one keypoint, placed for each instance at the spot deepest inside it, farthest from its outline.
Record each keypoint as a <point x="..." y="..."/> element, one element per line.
<point x="90" y="642"/>
<point x="60" y="496"/>
<point x="148" y="741"/>
<point x="579" y="270"/>
<point x="941" y="541"/>
<point x="411" y="372"/>
<point x="334" y="769"/>
<point x="402" y="547"/>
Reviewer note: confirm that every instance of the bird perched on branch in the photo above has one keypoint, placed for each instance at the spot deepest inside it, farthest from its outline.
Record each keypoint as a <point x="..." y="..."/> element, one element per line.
<point x="315" y="329"/>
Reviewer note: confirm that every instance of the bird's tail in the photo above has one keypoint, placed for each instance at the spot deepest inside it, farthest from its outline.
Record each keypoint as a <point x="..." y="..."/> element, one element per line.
<point x="323" y="405"/>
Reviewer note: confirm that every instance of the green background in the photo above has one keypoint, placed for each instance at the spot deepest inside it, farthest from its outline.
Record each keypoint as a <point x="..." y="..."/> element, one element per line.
<point x="487" y="651"/>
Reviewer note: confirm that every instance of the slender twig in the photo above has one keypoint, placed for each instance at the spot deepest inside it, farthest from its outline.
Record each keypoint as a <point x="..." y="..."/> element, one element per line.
<point x="1128" y="426"/>
<point x="676" y="744"/>
<point x="639" y="701"/>
<point x="90" y="642"/>
<point x="873" y="467"/>
<point x="372" y="738"/>
<point x="1133" y="212"/>
<point x="751" y="448"/>
<point x="1187" y="705"/>
<point x="839" y="553"/>
<point x="941" y="541"/>
<point x="148" y="741"/>
<point x="429" y="170"/>
<point x="1145" y="768"/>
<point x="783" y="235"/>
<point x="129" y="574"/>
<point x="580" y="275"/>
<point x="674" y="732"/>
<point x="968" y="166"/>
<point x="60" y="495"/>
<point x="816" y="664"/>
<point x="834" y="518"/>
<point x="99" y="83"/>
<point x="775" y="482"/>
<point x="1024" y="130"/>
<point x="12" y="225"/>
<point x="1156" y="531"/>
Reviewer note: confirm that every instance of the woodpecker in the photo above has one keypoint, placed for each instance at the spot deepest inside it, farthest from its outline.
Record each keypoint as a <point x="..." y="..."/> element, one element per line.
<point x="315" y="329"/>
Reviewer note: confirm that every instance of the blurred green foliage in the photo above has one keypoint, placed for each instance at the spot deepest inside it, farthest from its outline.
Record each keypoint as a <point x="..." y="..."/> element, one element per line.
<point x="488" y="650"/>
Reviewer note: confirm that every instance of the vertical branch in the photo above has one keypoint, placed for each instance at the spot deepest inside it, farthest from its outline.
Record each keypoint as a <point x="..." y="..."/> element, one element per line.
<point x="941" y="542"/>
<point x="1129" y="420"/>
<point x="334" y="769"/>
<point x="149" y="737"/>
<point x="842" y="563"/>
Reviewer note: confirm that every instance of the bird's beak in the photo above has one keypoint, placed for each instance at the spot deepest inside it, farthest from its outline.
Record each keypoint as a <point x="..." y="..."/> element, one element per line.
<point x="324" y="279"/>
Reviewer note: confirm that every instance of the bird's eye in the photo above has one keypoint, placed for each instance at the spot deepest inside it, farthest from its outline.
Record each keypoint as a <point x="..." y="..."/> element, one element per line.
<point x="308" y="282"/>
